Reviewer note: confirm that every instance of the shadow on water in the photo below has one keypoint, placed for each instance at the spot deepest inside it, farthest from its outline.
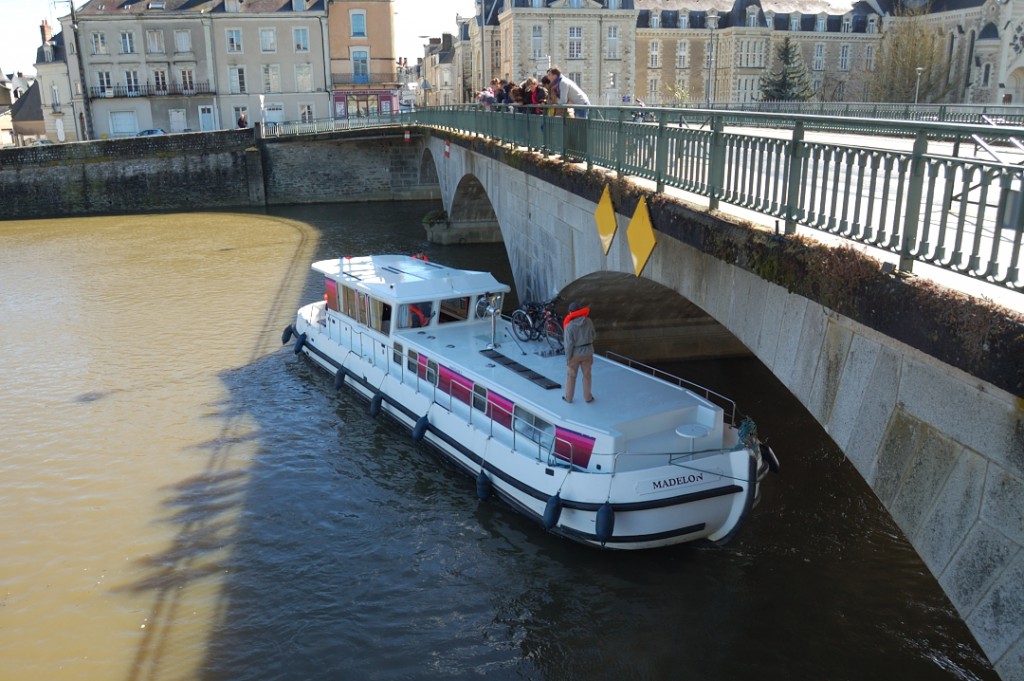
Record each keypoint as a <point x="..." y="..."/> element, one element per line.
<point x="347" y="552"/>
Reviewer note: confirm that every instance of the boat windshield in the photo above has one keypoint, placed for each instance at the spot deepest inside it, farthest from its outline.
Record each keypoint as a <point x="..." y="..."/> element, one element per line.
<point x="415" y="315"/>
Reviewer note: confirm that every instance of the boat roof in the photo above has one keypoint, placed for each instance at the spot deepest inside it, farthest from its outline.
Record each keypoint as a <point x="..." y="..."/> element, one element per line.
<point x="403" y="278"/>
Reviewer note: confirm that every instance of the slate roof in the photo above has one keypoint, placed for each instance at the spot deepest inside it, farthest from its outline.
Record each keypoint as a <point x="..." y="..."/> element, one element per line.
<point x="122" y="7"/>
<point x="59" y="51"/>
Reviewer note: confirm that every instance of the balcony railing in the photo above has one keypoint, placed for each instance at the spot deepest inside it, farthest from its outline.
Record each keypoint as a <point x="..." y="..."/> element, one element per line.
<point x="151" y="90"/>
<point x="372" y="78"/>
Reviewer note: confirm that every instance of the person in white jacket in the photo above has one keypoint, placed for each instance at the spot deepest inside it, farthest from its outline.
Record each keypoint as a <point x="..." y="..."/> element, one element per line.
<point x="566" y="92"/>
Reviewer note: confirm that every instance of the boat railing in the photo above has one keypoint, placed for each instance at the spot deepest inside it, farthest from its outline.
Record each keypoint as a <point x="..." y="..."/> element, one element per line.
<point x="525" y="436"/>
<point x="721" y="400"/>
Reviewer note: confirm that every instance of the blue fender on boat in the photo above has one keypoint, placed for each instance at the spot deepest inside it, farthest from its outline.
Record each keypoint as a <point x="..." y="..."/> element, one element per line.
<point x="553" y="511"/>
<point x="605" y="525"/>
<point x="299" y="342"/>
<point x="483" y="486"/>
<point x="287" y="335"/>
<point x="769" y="455"/>
<point x="420" y="429"/>
<point x="375" y="404"/>
<point x="339" y="378"/>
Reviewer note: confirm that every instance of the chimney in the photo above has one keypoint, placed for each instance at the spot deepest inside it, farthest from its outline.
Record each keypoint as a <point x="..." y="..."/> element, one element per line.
<point x="45" y="32"/>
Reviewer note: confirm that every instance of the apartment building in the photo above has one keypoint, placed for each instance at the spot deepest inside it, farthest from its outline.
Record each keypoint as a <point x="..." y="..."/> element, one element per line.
<point x="183" y="65"/>
<point x="364" y="74"/>
<point x="667" y="52"/>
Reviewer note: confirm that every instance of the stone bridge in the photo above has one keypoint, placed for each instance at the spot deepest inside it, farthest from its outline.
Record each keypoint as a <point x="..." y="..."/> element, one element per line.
<point x="932" y="421"/>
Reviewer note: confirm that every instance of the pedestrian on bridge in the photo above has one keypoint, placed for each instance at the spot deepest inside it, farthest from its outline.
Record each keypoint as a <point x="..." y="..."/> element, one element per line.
<point x="565" y="91"/>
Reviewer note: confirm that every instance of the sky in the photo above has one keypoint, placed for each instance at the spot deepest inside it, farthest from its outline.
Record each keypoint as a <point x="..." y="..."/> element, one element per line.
<point x="20" y="19"/>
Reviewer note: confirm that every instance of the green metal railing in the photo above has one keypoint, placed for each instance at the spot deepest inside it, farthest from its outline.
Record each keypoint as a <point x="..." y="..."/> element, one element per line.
<point x="950" y="210"/>
<point x="938" y="201"/>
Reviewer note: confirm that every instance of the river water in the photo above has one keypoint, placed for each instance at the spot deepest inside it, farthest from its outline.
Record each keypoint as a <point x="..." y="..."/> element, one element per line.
<point x="185" y="499"/>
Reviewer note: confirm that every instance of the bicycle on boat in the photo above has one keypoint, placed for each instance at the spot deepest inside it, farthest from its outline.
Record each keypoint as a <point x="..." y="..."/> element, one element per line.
<point x="532" y="321"/>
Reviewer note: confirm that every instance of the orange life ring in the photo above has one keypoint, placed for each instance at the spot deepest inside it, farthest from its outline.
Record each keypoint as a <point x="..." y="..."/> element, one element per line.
<point x="582" y="312"/>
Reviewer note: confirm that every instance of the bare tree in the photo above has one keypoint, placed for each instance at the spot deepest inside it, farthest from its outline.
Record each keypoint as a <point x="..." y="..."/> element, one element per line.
<point x="911" y="63"/>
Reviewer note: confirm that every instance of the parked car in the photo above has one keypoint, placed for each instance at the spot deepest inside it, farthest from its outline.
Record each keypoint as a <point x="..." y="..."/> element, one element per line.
<point x="40" y="143"/>
<point x="151" y="132"/>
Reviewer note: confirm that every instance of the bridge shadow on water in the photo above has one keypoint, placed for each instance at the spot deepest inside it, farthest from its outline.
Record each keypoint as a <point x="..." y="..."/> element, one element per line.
<point x="345" y="551"/>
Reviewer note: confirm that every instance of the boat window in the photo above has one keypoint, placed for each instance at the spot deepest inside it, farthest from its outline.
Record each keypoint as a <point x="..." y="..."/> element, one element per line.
<point x="397" y="354"/>
<point x="479" y="398"/>
<point x="431" y="375"/>
<point x="380" y="315"/>
<point x="415" y="315"/>
<point x="454" y="310"/>
<point x="412" y="361"/>
<point x="331" y="294"/>
<point x="534" y="427"/>
<point x="349" y="306"/>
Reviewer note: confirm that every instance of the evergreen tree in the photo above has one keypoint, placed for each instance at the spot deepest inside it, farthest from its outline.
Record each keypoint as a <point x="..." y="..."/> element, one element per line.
<point x="789" y="82"/>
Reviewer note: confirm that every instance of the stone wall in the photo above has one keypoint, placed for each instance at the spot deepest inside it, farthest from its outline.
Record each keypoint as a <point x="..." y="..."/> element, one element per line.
<point x="210" y="170"/>
<point x="133" y="175"/>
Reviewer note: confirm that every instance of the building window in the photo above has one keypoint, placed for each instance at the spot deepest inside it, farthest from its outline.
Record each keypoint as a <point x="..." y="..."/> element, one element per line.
<point x="746" y="89"/>
<point x="655" y="19"/>
<point x="819" y="57"/>
<point x="794" y="22"/>
<point x="682" y="48"/>
<point x="131" y="83"/>
<point x="358" y="24"/>
<point x="268" y="40"/>
<point x="652" y="91"/>
<point x="234" y="36"/>
<point x="537" y="42"/>
<point x="361" y="66"/>
<point x="872" y="24"/>
<point x="183" y="41"/>
<point x="752" y="16"/>
<point x="236" y="76"/>
<point x="769" y="19"/>
<point x="304" y="77"/>
<point x="575" y="4"/>
<point x="99" y="43"/>
<point x="751" y="54"/>
<point x="306" y="116"/>
<point x="188" y="80"/>
<point x="155" y="42"/>
<point x="160" y="80"/>
<point x="576" y="77"/>
<point x="816" y="87"/>
<point x="684" y="20"/>
<point x="819" y="23"/>
<point x="654" y="55"/>
<point x="300" y="36"/>
<point x="712" y="20"/>
<point x="271" y="77"/>
<point x="613" y="42"/>
<point x="869" y="58"/>
<point x="614" y="4"/>
<point x="847" y="23"/>
<point x="844" y="57"/>
<point x="575" y="42"/>
<point x="538" y="4"/>
<point x="103" y="80"/>
<point x="239" y="111"/>
<point x="127" y="42"/>
<point x="986" y="75"/>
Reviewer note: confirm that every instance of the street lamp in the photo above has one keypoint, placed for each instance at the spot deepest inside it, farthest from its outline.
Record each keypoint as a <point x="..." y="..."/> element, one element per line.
<point x="917" y="87"/>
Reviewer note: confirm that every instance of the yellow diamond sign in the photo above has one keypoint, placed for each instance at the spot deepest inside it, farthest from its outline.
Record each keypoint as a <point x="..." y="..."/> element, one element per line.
<point x="604" y="216"/>
<point x="640" y="236"/>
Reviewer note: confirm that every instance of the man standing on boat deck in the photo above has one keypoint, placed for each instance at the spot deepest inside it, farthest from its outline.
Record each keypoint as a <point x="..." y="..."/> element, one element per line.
<point x="579" y="350"/>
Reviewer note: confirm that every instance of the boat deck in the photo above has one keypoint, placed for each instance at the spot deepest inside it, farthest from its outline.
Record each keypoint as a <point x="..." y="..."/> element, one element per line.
<point x="653" y="414"/>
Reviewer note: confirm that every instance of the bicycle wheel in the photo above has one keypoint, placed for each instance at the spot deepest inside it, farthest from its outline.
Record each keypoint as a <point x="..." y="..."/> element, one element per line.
<point x="553" y="333"/>
<point x="522" y="325"/>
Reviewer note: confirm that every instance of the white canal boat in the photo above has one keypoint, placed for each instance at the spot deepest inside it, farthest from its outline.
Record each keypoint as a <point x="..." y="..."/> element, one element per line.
<point x="652" y="461"/>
